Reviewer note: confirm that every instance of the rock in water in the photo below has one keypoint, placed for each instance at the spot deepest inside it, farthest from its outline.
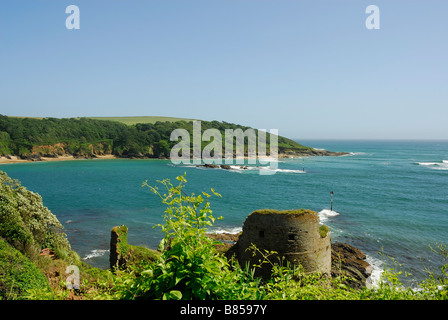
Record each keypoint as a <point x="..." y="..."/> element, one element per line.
<point x="209" y="165"/>
<point x="350" y="261"/>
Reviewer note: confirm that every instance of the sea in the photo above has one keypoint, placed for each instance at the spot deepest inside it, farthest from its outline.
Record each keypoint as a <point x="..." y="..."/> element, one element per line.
<point x="390" y="199"/>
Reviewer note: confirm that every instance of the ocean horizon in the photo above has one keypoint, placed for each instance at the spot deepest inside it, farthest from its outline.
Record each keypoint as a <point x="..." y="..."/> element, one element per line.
<point x="390" y="198"/>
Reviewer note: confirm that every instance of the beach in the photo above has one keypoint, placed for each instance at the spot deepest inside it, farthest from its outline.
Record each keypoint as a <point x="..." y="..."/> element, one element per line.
<point x="16" y="159"/>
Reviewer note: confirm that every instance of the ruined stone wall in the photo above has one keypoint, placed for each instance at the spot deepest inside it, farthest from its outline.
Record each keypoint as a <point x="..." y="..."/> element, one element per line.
<point x="119" y="248"/>
<point x="293" y="234"/>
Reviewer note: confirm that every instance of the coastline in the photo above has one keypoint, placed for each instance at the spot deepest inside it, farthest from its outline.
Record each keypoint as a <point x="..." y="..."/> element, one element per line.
<point x="289" y="155"/>
<point x="16" y="159"/>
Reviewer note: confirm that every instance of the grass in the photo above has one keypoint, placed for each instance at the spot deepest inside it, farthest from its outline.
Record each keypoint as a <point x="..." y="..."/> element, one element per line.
<point x="18" y="274"/>
<point x="294" y="211"/>
<point x="128" y="120"/>
<point x="141" y="119"/>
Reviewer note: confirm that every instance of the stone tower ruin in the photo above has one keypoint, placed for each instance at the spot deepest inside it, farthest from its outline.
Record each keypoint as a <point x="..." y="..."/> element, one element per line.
<point x="293" y="234"/>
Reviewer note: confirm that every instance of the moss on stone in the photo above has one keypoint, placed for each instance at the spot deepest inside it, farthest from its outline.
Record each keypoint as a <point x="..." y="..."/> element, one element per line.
<point x="122" y="239"/>
<point x="139" y="254"/>
<point x="292" y="212"/>
<point x="124" y="255"/>
<point x="323" y="231"/>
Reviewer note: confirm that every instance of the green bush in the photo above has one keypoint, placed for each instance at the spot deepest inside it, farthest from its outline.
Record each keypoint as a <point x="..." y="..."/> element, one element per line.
<point x="18" y="274"/>
<point x="25" y="222"/>
<point x="191" y="268"/>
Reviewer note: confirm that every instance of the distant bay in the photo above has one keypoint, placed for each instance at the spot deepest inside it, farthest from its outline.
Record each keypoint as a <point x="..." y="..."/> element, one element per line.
<point x="389" y="197"/>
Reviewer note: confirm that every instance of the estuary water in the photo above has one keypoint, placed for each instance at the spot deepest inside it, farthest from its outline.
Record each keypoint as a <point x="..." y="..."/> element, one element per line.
<point x="390" y="198"/>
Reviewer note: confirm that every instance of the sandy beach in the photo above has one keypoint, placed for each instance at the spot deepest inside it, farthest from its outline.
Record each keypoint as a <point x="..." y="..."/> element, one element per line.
<point x="15" y="159"/>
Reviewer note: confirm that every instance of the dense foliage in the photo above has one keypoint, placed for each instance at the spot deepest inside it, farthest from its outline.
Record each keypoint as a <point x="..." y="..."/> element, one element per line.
<point x="190" y="267"/>
<point x="25" y="222"/>
<point x="18" y="274"/>
<point x="86" y="137"/>
<point x="27" y="227"/>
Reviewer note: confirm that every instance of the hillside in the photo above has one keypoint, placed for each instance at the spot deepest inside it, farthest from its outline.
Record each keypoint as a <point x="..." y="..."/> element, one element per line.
<point x="33" y="138"/>
<point x="141" y="119"/>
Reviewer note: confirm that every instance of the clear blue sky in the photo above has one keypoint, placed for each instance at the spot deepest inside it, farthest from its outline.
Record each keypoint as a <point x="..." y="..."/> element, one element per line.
<point x="310" y="69"/>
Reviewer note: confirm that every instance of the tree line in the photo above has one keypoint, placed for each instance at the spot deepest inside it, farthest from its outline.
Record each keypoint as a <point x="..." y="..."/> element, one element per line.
<point x="88" y="137"/>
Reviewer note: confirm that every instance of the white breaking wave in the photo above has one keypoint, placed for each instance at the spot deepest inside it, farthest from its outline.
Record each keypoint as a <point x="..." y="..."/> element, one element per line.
<point x="95" y="253"/>
<point x="234" y="230"/>
<point x="241" y="168"/>
<point x="435" y="165"/>
<point x="377" y="270"/>
<point x="251" y="168"/>
<point x="356" y="153"/>
<point x="182" y="165"/>
<point x="325" y="214"/>
<point x="283" y="170"/>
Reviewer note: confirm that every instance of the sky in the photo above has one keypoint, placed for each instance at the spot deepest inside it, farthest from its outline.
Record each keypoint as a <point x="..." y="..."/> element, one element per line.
<point x="311" y="68"/>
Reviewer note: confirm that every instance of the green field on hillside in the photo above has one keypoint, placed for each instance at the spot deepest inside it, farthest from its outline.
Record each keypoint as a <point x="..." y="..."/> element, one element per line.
<point x="141" y="119"/>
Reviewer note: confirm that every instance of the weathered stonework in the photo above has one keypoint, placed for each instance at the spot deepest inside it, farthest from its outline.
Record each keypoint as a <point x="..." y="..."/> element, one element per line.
<point x="293" y="234"/>
<point x="119" y="248"/>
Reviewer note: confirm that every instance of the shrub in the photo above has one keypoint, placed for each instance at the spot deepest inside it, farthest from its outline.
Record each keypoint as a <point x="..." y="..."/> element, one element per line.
<point x="190" y="267"/>
<point x="25" y="222"/>
<point x="18" y="274"/>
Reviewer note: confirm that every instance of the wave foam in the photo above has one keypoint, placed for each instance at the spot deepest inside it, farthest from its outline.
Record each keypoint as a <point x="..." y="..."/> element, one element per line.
<point x="241" y="168"/>
<point x="95" y="253"/>
<point x="233" y="230"/>
<point x="356" y="154"/>
<point x="377" y="270"/>
<point x="285" y="170"/>
<point x="251" y="168"/>
<point x="325" y="214"/>
<point x="435" y="165"/>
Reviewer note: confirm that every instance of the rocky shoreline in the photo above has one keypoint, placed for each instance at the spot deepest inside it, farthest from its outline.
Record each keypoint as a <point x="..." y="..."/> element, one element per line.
<point x="66" y="157"/>
<point x="311" y="153"/>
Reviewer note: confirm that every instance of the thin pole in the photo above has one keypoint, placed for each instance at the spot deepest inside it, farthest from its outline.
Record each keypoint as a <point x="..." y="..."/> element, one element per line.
<point x="331" y="193"/>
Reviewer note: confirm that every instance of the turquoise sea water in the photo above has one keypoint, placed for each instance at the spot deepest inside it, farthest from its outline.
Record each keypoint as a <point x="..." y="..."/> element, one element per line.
<point x="389" y="197"/>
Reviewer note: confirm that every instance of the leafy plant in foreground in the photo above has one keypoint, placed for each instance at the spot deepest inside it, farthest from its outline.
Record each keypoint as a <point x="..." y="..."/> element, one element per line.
<point x="191" y="268"/>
